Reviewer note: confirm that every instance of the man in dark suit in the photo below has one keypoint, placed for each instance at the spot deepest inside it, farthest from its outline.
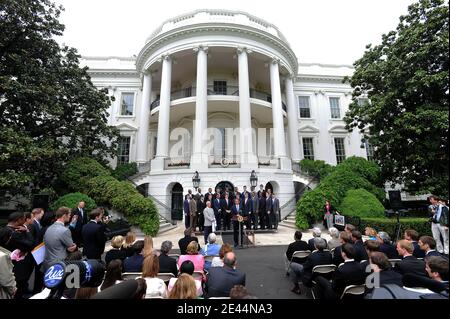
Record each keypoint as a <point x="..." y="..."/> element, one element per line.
<point x="360" y="251"/>
<point x="386" y="246"/>
<point x="225" y="206"/>
<point x="269" y="210"/>
<point x="187" y="216"/>
<point x="82" y="219"/>
<point x="238" y="227"/>
<point x="134" y="263"/>
<point x="189" y="235"/>
<point x="167" y="264"/>
<point x="297" y="245"/>
<point x="276" y="210"/>
<point x="344" y="238"/>
<point x="413" y="236"/>
<point x="255" y="210"/>
<point x="262" y="210"/>
<point x="350" y="273"/>
<point x="318" y="257"/>
<point x="437" y="280"/>
<point x="222" y="279"/>
<point x="409" y="264"/>
<point x="428" y="245"/>
<point x="93" y="235"/>
<point x="245" y="191"/>
<point x="247" y="209"/>
<point x="217" y="207"/>
<point x="380" y="265"/>
<point x="35" y="231"/>
<point x="316" y="232"/>
<point x="209" y="193"/>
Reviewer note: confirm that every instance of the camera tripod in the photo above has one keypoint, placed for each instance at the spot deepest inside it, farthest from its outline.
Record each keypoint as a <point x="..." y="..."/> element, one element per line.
<point x="398" y="227"/>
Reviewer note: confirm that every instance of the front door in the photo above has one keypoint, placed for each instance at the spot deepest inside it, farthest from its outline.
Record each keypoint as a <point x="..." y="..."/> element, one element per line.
<point x="177" y="202"/>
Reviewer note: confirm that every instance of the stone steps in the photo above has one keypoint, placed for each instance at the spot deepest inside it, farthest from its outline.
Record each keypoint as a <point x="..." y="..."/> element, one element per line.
<point x="289" y="221"/>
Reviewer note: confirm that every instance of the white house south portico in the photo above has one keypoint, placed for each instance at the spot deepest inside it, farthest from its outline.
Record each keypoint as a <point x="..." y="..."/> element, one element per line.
<point x="222" y="93"/>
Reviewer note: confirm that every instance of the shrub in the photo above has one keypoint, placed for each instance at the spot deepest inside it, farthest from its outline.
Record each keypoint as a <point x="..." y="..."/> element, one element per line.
<point x="80" y="170"/>
<point x="71" y="200"/>
<point x="316" y="168"/>
<point x="123" y="171"/>
<point x="350" y="174"/>
<point x="359" y="202"/>
<point x="421" y="225"/>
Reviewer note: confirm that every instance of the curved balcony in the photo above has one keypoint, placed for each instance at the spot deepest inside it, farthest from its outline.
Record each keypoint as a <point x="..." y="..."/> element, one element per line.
<point x="214" y="90"/>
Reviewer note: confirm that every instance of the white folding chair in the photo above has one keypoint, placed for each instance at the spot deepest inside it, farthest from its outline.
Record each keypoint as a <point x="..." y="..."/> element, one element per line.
<point x="131" y="275"/>
<point x="301" y="254"/>
<point x="324" y="270"/>
<point x="332" y="252"/>
<point x="394" y="262"/>
<point x="210" y="257"/>
<point x="155" y="297"/>
<point x="198" y="275"/>
<point x="356" y="290"/>
<point x="165" y="276"/>
<point x="175" y="256"/>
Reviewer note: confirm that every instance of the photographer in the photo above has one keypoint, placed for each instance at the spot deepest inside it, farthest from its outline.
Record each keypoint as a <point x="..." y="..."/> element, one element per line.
<point x="94" y="234"/>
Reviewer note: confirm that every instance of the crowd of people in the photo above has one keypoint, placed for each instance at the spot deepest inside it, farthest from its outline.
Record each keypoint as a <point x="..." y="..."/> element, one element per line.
<point x="408" y="263"/>
<point x="76" y="235"/>
<point x="218" y="211"/>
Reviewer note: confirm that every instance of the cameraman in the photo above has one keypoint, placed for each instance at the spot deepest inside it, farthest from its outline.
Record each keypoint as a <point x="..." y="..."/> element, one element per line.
<point x="94" y="234"/>
<point x="439" y="224"/>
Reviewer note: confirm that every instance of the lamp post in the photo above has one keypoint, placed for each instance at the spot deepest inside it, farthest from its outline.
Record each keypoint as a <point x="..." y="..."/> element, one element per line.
<point x="253" y="180"/>
<point x="196" y="180"/>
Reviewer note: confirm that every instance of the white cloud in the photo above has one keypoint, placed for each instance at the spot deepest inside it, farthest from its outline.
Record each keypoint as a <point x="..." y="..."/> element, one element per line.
<point x="324" y="31"/>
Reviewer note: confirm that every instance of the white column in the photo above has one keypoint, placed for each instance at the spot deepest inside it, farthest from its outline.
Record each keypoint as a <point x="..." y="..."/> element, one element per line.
<point x="248" y="158"/>
<point x="144" y="119"/>
<point x="199" y="157"/>
<point x="277" y="111"/>
<point x="162" y="147"/>
<point x="292" y="115"/>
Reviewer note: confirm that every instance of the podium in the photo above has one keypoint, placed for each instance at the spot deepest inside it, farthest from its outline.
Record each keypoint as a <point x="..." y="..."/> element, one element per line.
<point x="240" y="219"/>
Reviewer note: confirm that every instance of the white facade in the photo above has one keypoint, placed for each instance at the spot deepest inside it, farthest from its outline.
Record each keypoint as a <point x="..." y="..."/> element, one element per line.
<point x="214" y="71"/>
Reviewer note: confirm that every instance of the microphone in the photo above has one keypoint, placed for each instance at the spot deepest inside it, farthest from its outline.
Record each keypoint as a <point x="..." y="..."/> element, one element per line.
<point x="73" y="274"/>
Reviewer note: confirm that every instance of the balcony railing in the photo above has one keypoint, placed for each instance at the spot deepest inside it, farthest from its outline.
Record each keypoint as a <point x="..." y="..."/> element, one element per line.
<point x="219" y="161"/>
<point x="177" y="163"/>
<point x="268" y="162"/>
<point x="216" y="90"/>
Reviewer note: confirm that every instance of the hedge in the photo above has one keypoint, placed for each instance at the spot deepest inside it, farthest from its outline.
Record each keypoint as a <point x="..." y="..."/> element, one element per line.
<point x="421" y="225"/>
<point x="123" y="171"/>
<point x="361" y="203"/>
<point x="350" y="174"/>
<point x="124" y="197"/>
<point x="80" y="170"/>
<point x="316" y="168"/>
<point x="71" y="200"/>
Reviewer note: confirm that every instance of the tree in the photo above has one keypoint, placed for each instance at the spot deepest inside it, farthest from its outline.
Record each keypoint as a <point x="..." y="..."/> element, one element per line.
<point x="49" y="109"/>
<point x="407" y="82"/>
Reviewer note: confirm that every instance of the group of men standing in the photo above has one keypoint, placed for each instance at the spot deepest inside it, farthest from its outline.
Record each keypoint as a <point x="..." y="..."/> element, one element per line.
<point x="260" y="208"/>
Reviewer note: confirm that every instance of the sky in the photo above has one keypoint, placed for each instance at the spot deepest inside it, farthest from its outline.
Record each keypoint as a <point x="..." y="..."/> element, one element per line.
<point x="319" y="31"/>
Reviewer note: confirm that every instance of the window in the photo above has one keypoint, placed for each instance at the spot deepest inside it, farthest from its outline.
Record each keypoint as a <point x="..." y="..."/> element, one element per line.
<point x="188" y="91"/>
<point x="127" y="105"/>
<point x="220" y="87"/>
<point x="124" y="150"/>
<point x="303" y="107"/>
<point x="363" y="102"/>
<point x="369" y="150"/>
<point x="155" y="143"/>
<point x="334" y="107"/>
<point x="308" y="148"/>
<point x="340" y="149"/>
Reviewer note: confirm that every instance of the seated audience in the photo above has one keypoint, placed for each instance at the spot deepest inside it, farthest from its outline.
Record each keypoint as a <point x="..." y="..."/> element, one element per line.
<point x="210" y="249"/>
<point x="184" y="288"/>
<point x="428" y="245"/>
<point x="370" y="246"/>
<point x="155" y="286"/>
<point x="360" y="251"/>
<point x="148" y="246"/>
<point x="316" y="232"/>
<point x="386" y="246"/>
<point x="141" y="289"/>
<point x="189" y="235"/>
<point x="167" y="264"/>
<point x="222" y="279"/>
<point x="127" y="246"/>
<point x="409" y="264"/>
<point x="413" y="236"/>
<point x="193" y="255"/>
<point x="218" y="261"/>
<point x="380" y="264"/>
<point x="437" y="280"/>
<point x="116" y="252"/>
<point x="134" y="263"/>
<point x="318" y="257"/>
<point x="187" y="267"/>
<point x="334" y="241"/>
<point x="349" y="228"/>
<point x="371" y="233"/>
<point x="344" y="238"/>
<point x="113" y="274"/>
<point x="350" y="273"/>
<point x="297" y="245"/>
